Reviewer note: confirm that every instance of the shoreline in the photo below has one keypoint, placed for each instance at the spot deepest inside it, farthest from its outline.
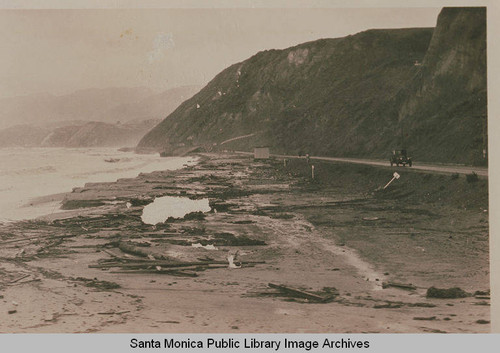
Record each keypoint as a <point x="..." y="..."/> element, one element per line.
<point x="32" y="206"/>
<point x="334" y="237"/>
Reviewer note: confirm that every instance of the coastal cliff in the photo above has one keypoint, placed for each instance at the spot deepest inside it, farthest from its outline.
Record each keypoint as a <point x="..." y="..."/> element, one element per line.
<point x="353" y="96"/>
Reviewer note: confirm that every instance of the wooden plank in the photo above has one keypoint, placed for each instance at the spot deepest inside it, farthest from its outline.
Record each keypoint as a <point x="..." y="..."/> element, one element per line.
<point x="408" y="286"/>
<point x="298" y="292"/>
<point x="128" y="248"/>
<point x="19" y="278"/>
<point x="161" y="272"/>
<point x="183" y="268"/>
<point x="167" y="264"/>
<point x="35" y="238"/>
<point x="118" y="257"/>
<point x="114" y="312"/>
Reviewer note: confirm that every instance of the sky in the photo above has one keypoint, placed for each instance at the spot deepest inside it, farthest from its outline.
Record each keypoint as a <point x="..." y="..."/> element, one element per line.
<point x="61" y="51"/>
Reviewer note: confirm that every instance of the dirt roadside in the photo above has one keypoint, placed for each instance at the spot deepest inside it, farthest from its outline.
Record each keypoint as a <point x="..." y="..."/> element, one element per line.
<point x="336" y="237"/>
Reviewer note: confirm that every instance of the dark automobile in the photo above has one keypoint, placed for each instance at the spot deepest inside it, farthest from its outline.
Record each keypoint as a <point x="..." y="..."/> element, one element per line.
<point x="400" y="157"/>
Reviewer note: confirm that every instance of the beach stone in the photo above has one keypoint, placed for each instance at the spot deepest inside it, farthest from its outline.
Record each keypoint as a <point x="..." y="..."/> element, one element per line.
<point x="450" y="293"/>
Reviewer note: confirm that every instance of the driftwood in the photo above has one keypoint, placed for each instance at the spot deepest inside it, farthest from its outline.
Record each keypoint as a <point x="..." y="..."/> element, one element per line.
<point x="180" y="273"/>
<point x="36" y="238"/>
<point x="129" y="248"/>
<point x="167" y="264"/>
<point x="425" y="318"/>
<point x="114" y="312"/>
<point x="298" y="293"/>
<point x="407" y="286"/>
<point x="117" y="257"/>
<point x="24" y="282"/>
<point x="176" y="268"/>
<point x="50" y="245"/>
<point x="19" y="278"/>
<point x="112" y="255"/>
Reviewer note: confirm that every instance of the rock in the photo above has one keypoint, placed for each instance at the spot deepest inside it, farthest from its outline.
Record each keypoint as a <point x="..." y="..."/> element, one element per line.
<point x="450" y="293"/>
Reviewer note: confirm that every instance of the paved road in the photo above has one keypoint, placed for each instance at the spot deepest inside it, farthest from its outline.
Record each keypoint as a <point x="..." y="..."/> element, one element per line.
<point x="436" y="168"/>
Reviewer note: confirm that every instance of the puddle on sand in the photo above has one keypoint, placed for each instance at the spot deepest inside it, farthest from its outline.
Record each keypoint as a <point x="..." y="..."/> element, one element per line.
<point x="170" y="206"/>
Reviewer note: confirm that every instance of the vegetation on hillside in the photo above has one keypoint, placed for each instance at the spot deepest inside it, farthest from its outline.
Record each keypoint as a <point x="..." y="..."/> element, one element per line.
<point x="352" y="96"/>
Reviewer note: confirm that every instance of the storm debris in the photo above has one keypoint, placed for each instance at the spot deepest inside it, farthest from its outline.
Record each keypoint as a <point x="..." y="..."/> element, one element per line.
<point x="406" y="286"/>
<point x="294" y="292"/>
<point x="425" y="318"/>
<point x="450" y="293"/>
<point x="95" y="283"/>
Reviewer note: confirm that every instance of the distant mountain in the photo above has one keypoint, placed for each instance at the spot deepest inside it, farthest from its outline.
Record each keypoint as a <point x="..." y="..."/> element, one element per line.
<point x="106" y="105"/>
<point x="23" y="136"/>
<point x="352" y="96"/>
<point x="76" y="134"/>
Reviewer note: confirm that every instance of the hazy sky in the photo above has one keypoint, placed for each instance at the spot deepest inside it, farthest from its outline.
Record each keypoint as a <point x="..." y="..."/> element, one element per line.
<point x="60" y="51"/>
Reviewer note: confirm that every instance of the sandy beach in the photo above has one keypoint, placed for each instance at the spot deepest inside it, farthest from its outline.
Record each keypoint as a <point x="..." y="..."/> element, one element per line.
<point x="331" y="254"/>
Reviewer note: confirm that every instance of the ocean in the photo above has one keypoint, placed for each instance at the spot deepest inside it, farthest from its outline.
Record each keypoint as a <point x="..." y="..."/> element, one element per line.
<point x="30" y="173"/>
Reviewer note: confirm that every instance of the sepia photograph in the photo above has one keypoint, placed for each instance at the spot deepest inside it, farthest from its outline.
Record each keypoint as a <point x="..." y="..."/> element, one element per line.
<point x="244" y="170"/>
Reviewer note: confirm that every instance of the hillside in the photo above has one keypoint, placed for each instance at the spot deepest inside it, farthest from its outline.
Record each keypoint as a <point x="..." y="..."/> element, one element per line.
<point x="349" y="96"/>
<point x="76" y="134"/>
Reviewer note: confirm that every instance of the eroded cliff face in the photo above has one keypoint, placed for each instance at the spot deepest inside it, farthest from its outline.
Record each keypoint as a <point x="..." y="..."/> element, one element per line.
<point x="349" y="96"/>
<point x="327" y="97"/>
<point x="443" y="110"/>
